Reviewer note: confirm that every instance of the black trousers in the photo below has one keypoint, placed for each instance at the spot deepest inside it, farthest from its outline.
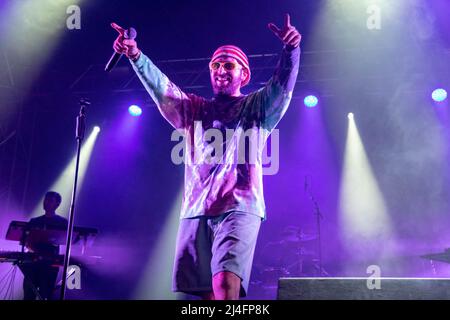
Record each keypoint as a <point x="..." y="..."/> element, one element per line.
<point x="39" y="280"/>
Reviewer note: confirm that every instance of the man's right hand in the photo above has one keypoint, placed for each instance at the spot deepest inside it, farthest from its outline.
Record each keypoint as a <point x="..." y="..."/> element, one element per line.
<point x="125" y="46"/>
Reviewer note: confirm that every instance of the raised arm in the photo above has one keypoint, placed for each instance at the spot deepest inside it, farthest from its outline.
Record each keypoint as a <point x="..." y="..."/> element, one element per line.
<point x="172" y="102"/>
<point x="273" y="99"/>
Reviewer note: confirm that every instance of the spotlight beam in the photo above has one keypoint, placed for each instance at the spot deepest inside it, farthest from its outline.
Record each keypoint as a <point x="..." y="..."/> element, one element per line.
<point x="364" y="218"/>
<point x="156" y="281"/>
<point x="64" y="183"/>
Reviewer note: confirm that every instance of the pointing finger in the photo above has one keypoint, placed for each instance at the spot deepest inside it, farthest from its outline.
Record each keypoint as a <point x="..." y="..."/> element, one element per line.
<point x="118" y="28"/>
<point x="274" y="28"/>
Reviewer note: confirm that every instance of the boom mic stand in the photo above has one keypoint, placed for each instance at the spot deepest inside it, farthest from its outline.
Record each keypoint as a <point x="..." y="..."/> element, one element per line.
<point x="80" y="131"/>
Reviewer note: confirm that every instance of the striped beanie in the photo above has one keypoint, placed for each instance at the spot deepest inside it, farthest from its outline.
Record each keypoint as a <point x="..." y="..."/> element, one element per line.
<point x="236" y="53"/>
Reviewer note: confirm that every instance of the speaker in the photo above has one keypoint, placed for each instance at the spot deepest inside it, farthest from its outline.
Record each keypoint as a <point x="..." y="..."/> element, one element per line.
<point x="363" y="289"/>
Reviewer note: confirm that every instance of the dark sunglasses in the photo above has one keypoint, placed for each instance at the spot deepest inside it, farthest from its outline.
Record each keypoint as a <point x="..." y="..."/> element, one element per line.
<point x="227" y="65"/>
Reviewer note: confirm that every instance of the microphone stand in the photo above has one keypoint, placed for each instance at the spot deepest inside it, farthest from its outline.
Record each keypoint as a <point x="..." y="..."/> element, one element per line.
<point x="319" y="216"/>
<point x="80" y="130"/>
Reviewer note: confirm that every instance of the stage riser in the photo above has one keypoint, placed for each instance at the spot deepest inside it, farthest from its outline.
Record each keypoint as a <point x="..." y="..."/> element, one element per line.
<point x="358" y="289"/>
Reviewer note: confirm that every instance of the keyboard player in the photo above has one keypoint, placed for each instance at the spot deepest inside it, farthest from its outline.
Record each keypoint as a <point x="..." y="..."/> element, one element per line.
<point x="40" y="277"/>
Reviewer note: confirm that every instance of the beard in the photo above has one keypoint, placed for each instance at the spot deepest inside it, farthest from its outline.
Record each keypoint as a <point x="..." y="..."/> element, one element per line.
<point x="227" y="87"/>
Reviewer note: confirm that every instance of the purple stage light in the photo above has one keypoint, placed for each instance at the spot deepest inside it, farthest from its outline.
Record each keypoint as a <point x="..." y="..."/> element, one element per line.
<point x="439" y="95"/>
<point x="135" y="110"/>
<point x="311" y="101"/>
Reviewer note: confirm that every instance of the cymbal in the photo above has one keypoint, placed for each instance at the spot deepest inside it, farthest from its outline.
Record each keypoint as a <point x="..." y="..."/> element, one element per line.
<point x="443" y="257"/>
<point x="284" y="249"/>
<point x="295" y="234"/>
<point x="299" y="238"/>
<point x="306" y="237"/>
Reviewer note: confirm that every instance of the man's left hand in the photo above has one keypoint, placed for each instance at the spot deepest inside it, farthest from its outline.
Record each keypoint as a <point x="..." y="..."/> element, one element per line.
<point x="288" y="34"/>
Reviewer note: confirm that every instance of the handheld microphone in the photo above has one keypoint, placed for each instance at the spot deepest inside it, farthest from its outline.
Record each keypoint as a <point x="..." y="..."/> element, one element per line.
<point x="129" y="34"/>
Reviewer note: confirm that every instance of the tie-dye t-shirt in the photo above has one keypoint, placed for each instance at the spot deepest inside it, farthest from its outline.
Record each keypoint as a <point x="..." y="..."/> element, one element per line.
<point x="225" y="137"/>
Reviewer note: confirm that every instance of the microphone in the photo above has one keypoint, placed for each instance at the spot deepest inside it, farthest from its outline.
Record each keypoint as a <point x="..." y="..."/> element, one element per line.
<point x="129" y="34"/>
<point x="81" y="119"/>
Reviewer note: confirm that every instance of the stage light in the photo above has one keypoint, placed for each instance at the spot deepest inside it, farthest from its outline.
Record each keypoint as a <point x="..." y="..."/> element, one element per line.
<point x="135" y="110"/>
<point x="350" y="116"/>
<point x="96" y="129"/>
<point x="311" y="101"/>
<point x="439" y="95"/>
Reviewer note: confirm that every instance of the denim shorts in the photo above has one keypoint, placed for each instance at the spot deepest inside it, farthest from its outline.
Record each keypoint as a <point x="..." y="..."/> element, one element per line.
<point x="208" y="245"/>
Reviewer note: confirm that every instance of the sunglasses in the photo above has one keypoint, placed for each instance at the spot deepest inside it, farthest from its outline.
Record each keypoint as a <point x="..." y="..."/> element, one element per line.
<point x="227" y="65"/>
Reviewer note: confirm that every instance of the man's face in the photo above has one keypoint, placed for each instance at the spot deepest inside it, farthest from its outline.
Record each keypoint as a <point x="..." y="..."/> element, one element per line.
<point x="226" y="76"/>
<point x="50" y="203"/>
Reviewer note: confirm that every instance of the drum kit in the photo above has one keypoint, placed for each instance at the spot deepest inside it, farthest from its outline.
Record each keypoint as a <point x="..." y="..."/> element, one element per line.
<point x="294" y="255"/>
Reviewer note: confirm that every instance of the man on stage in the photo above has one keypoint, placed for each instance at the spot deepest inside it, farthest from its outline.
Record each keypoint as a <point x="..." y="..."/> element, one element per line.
<point x="223" y="203"/>
<point x="40" y="277"/>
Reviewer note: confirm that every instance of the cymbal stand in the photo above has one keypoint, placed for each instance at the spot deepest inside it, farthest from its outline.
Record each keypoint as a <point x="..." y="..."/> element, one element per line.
<point x="318" y="216"/>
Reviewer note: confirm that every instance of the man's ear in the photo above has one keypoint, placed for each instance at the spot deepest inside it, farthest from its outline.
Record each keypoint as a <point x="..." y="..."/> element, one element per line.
<point x="244" y="74"/>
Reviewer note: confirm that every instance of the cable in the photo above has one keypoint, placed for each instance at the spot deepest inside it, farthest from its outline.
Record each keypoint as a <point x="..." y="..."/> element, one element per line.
<point x="5" y="280"/>
<point x="13" y="280"/>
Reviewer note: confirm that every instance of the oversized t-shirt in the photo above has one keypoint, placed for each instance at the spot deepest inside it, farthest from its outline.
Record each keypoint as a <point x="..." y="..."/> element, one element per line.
<point x="225" y="137"/>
